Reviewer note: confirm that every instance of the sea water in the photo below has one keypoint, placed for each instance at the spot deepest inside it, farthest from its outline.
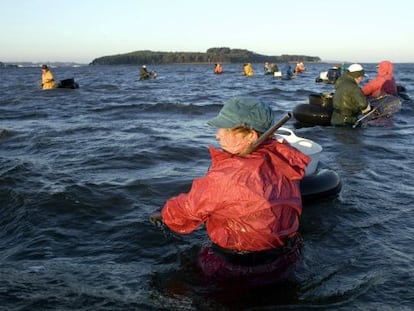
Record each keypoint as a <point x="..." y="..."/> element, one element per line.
<point x="81" y="170"/>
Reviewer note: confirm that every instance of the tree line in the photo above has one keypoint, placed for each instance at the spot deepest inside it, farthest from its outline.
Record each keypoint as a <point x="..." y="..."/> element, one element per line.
<point x="212" y="55"/>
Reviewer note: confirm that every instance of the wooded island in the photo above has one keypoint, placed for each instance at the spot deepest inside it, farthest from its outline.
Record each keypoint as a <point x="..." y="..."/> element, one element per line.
<point x="212" y="55"/>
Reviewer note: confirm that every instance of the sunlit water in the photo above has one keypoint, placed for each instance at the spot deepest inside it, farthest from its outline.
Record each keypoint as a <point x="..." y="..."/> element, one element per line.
<point x="81" y="170"/>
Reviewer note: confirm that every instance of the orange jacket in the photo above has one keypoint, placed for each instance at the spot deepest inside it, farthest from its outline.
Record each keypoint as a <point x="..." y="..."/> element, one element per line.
<point x="247" y="203"/>
<point x="218" y="69"/>
<point x="383" y="83"/>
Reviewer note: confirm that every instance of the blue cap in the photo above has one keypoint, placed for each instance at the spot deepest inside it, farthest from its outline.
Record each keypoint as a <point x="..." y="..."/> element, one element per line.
<point x="249" y="113"/>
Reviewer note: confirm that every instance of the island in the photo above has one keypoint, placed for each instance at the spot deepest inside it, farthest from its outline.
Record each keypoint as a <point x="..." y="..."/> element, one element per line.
<point x="212" y="55"/>
<point x="4" y="65"/>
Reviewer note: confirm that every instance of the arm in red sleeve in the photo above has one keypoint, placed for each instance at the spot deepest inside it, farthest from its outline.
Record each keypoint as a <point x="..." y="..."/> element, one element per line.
<point x="177" y="215"/>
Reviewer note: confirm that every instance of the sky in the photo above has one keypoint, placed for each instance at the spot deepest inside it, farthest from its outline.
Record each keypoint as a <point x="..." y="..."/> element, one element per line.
<point x="364" y="31"/>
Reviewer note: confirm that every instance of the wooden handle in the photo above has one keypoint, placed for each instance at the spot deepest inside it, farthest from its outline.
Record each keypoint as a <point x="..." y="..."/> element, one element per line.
<point x="266" y="135"/>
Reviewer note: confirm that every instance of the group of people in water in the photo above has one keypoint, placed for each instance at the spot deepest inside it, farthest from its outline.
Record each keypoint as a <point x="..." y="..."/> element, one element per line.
<point x="350" y="100"/>
<point x="48" y="80"/>
<point x="250" y="198"/>
<point x="268" y="68"/>
<point x="250" y="202"/>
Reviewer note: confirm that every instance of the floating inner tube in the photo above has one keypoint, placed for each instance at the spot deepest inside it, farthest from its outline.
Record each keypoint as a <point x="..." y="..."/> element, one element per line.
<point x="404" y="96"/>
<point x="312" y="114"/>
<point x="150" y="76"/>
<point x="68" y="84"/>
<point x="321" y="99"/>
<point x="402" y="92"/>
<point x="401" y="88"/>
<point x="324" y="183"/>
<point x="386" y="105"/>
<point x="319" y="110"/>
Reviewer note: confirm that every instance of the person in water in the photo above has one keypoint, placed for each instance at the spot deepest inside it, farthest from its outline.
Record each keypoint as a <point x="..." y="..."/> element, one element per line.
<point x="300" y="67"/>
<point x="248" y="70"/>
<point x="143" y="73"/>
<point x="250" y="204"/>
<point x="270" y="68"/>
<point x="384" y="83"/>
<point x="333" y="74"/>
<point x="48" y="80"/>
<point x="218" y="68"/>
<point x="288" y="72"/>
<point x="266" y="68"/>
<point x="349" y="100"/>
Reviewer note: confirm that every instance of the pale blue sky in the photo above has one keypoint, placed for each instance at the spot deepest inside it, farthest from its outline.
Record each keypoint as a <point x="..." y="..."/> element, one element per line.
<point x="80" y="31"/>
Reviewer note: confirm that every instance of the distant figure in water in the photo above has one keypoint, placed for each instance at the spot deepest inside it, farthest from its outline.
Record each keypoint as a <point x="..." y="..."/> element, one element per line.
<point x="248" y="70"/>
<point x="300" y="67"/>
<point x="218" y="68"/>
<point x="270" y="68"/>
<point x="144" y="74"/>
<point x="333" y="74"/>
<point x="288" y="72"/>
<point x="48" y="80"/>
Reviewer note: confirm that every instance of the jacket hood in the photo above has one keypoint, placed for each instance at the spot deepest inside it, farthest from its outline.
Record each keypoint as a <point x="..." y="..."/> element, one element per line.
<point x="385" y="68"/>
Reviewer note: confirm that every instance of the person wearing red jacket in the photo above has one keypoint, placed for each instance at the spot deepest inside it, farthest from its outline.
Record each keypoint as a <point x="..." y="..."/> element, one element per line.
<point x="383" y="83"/>
<point x="218" y="68"/>
<point x="250" y="204"/>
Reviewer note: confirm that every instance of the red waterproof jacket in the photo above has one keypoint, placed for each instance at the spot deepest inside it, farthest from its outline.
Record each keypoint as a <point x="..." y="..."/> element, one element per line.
<point x="383" y="83"/>
<point x="248" y="203"/>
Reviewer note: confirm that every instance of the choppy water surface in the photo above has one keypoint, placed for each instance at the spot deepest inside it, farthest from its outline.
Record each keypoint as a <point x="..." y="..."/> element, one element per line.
<point x="81" y="170"/>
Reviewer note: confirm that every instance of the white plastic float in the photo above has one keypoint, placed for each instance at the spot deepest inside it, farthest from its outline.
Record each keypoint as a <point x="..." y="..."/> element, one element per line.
<point x="307" y="146"/>
<point x="319" y="182"/>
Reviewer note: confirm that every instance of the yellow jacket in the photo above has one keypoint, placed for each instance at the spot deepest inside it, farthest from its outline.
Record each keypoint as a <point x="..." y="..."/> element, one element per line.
<point x="248" y="70"/>
<point x="48" y="81"/>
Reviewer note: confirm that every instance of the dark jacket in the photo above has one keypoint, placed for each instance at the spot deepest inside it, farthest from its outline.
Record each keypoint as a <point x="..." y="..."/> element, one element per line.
<point x="348" y="101"/>
<point x="333" y="74"/>
<point x="143" y="74"/>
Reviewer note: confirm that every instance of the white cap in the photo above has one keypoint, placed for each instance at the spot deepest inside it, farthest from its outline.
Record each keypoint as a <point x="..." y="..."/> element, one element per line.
<point x="355" y="67"/>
